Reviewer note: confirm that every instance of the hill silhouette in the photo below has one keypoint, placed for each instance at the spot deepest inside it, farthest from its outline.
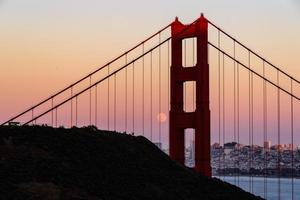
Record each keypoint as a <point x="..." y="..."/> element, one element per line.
<point x="86" y="163"/>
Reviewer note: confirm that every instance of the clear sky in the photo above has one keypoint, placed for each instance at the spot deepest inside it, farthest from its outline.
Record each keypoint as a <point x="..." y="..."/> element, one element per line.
<point x="41" y="42"/>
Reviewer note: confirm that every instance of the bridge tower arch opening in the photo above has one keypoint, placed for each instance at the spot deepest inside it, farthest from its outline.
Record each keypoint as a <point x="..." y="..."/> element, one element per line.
<point x="199" y="119"/>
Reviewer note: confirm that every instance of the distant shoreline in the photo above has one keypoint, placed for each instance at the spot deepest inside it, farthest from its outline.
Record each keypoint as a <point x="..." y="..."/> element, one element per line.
<point x="255" y="176"/>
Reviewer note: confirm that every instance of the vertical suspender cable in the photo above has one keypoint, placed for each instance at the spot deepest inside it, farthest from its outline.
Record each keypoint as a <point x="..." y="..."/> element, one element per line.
<point x="219" y="99"/>
<point x="71" y="107"/>
<point x="126" y="93"/>
<point x="252" y="132"/>
<point x="108" y="104"/>
<point x="234" y="105"/>
<point x="133" y="98"/>
<point x="249" y="123"/>
<point x="96" y="105"/>
<point x="159" y="88"/>
<point x="52" y="121"/>
<point x="90" y="101"/>
<point x="224" y="126"/>
<point x="115" y="102"/>
<point x="32" y="115"/>
<point x="56" y="117"/>
<point x="278" y="129"/>
<point x="238" y="117"/>
<point x="151" y="96"/>
<point x="76" y="107"/>
<point x="143" y="90"/>
<point x="265" y="130"/>
<point x="292" y="136"/>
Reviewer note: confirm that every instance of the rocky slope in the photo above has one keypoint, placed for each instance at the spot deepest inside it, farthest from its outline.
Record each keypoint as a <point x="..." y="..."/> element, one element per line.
<point x="47" y="163"/>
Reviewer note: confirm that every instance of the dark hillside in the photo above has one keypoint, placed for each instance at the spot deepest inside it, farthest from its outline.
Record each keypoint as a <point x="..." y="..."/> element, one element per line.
<point x="47" y="163"/>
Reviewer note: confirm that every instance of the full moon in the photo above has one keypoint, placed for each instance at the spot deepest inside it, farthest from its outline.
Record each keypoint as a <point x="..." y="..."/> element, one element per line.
<point x="161" y="117"/>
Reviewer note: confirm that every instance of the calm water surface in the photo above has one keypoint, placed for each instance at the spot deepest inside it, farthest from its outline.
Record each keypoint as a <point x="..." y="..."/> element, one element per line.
<point x="269" y="192"/>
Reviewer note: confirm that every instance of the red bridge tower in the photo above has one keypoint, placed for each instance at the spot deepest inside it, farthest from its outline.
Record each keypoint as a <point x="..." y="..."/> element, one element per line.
<point x="199" y="120"/>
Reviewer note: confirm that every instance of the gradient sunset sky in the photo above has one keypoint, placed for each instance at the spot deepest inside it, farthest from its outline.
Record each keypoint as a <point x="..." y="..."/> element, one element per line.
<point x="41" y="42"/>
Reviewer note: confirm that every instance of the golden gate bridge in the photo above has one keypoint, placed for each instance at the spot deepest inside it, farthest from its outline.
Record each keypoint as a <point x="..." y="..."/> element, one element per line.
<point x="184" y="79"/>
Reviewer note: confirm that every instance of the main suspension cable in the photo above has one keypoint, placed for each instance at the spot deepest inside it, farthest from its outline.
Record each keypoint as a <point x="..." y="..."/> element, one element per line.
<point x="90" y="74"/>
<point x="253" y="52"/>
<point x="255" y="73"/>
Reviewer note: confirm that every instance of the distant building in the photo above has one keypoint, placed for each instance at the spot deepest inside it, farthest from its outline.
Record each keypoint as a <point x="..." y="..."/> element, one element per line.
<point x="216" y="146"/>
<point x="267" y="144"/>
<point x="229" y="147"/>
<point x="279" y="147"/>
<point x="13" y="123"/>
<point x="290" y="147"/>
<point x="240" y="146"/>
